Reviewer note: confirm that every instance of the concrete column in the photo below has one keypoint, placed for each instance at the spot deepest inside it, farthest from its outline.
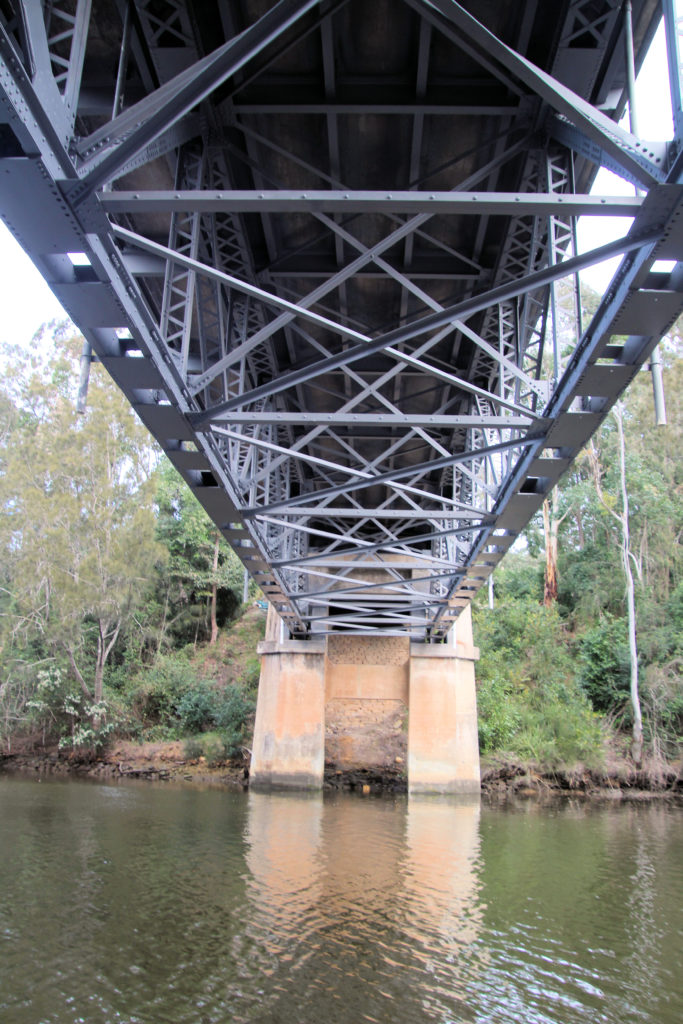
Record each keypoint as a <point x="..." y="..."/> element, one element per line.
<point x="443" y="745"/>
<point x="289" y="733"/>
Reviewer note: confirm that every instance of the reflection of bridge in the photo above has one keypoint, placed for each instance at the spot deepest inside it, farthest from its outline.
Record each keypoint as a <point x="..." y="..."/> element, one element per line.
<point x="318" y="251"/>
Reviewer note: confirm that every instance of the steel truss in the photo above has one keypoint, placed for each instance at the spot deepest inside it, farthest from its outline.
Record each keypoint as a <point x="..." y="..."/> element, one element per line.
<point x="323" y="254"/>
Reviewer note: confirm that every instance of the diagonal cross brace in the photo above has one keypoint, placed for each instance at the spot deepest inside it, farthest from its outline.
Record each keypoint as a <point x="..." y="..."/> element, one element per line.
<point x="619" y="144"/>
<point x="433" y="321"/>
<point x="140" y="124"/>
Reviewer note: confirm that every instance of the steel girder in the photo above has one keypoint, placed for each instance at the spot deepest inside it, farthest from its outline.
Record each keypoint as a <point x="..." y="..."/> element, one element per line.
<point x="323" y="248"/>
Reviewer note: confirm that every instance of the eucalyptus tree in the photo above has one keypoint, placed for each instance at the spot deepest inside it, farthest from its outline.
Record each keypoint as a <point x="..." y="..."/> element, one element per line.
<point x="202" y="582"/>
<point x="77" y="518"/>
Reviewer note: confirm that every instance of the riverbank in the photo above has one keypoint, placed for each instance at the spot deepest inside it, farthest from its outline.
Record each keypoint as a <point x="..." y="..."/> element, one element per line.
<point x="164" y="762"/>
<point x="620" y="780"/>
<point x="500" y="779"/>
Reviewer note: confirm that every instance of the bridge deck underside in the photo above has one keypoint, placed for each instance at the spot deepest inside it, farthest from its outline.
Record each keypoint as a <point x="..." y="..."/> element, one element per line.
<point x="330" y="256"/>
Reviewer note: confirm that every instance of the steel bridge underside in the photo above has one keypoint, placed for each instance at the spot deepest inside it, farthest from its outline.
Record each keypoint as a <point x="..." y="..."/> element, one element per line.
<point x="328" y="251"/>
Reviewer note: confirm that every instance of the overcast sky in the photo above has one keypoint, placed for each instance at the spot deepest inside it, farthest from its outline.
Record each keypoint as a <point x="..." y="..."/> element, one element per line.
<point x="27" y="302"/>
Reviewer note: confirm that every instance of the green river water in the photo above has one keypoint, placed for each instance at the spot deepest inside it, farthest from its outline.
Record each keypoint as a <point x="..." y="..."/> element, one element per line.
<point x="140" y="904"/>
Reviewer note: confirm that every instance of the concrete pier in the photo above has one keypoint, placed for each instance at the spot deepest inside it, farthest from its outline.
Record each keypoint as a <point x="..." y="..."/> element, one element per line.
<point x="443" y="743"/>
<point x="358" y="686"/>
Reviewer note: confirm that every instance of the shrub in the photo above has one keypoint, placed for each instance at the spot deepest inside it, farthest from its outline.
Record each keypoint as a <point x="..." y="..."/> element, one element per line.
<point x="604" y="664"/>
<point x="64" y="713"/>
<point x="662" y="698"/>
<point x="529" y="701"/>
<point x="192" y="747"/>
<point x="252" y="671"/>
<point x="498" y="715"/>
<point x="155" y="693"/>
<point x="196" y="708"/>
<point x="233" y="709"/>
<point x="215" y="746"/>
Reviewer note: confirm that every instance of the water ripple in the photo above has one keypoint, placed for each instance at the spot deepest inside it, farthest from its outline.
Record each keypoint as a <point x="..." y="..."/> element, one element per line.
<point x="142" y="904"/>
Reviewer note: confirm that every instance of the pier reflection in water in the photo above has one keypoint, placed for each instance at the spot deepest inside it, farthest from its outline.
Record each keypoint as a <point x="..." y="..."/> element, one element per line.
<point x="144" y="904"/>
<point x="369" y="910"/>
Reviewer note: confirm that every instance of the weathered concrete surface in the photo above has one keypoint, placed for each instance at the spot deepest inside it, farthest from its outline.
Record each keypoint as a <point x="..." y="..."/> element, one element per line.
<point x="443" y="745"/>
<point x="366" y="734"/>
<point x="289" y="734"/>
<point x="366" y="701"/>
<point x="344" y="700"/>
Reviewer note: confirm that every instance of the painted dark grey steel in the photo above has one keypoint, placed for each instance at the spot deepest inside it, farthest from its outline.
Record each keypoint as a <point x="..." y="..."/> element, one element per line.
<point x="370" y="445"/>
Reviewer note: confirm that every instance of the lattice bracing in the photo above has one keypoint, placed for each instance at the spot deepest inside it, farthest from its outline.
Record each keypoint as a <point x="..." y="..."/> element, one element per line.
<point x="333" y="263"/>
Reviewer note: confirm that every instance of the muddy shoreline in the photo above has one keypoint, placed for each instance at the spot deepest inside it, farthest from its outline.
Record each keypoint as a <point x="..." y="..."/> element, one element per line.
<point x="500" y="779"/>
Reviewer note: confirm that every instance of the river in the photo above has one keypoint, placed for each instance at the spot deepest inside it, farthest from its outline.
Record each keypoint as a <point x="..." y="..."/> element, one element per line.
<point x="139" y="903"/>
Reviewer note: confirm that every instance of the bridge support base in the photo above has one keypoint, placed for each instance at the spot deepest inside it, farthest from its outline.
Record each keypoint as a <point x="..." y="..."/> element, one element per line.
<point x="298" y="679"/>
<point x="289" y="733"/>
<point x="443" y="744"/>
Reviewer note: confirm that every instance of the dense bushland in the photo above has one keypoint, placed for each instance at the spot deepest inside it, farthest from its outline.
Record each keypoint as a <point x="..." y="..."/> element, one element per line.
<point x="111" y="575"/>
<point x="120" y="602"/>
<point x="553" y="679"/>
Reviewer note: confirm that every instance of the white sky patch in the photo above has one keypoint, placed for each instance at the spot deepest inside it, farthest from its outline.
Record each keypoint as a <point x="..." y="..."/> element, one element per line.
<point x="26" y="301"/>
<point x="655" y="123"/>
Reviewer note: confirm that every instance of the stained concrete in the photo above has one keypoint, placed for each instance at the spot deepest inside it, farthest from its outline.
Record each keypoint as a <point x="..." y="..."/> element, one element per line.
<point x="346" y="700"/>
<point x="289" y="736"/>
<point x="443" y="744"/>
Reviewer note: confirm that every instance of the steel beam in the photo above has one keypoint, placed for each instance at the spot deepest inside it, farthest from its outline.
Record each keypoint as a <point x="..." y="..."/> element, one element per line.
<point x="419" y="405"/>
<point x="475" y="204"/>
<point x="628" y="151"/>
<point x="459" y="311"/>
<point x="135" y="128"/>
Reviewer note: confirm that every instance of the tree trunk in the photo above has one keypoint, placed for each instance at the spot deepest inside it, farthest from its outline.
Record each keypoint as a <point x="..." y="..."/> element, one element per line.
<point x="551" y="529"/>
<point x="625" y="544"/>
<point x="214" y="591"/>
<point x="77" y="673"/>
<point x="108" y="636"/>
<point x="637" y="741"/>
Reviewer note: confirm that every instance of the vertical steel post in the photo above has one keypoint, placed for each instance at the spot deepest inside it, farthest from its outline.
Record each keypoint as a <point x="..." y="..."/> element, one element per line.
<point x="123" y="63"/>
<point x="656" y="360"/>
<point x="84" y="378"/>
<point x="630" y="67"/>
<point x="658" y="388"/>
<point x="672" y="26"/>
<point x="578" y="312"/>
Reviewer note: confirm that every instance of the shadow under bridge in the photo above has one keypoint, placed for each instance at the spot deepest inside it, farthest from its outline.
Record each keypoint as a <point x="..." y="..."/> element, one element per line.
<point x="328" y="250"/>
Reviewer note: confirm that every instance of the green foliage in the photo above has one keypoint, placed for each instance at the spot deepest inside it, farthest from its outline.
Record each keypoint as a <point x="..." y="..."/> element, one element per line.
<point x="519" y="577"/>
<point x="604" y="664"/>
<point x="196" y="708"/>
<point x="232" y="714"/>
<point x="156" y="690"/>
<point x="106" y="560"/>
<point x="498" y="714"/>
<point x="529" y="702"/>
<point x="65" y="714"/>
<point x="170" y="700"/>
<point x="252" y="671"/>
<point x="227" y="712"/>
<point x="592" y="588"/>
<point x="663" y="704"/>
<point x="215" y="747"/>
<point x="76" y="520"/>
<point x="200" y="564"/>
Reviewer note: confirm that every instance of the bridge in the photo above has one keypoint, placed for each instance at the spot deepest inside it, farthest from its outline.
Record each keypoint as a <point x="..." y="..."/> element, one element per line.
<point x="328" y="250"/>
